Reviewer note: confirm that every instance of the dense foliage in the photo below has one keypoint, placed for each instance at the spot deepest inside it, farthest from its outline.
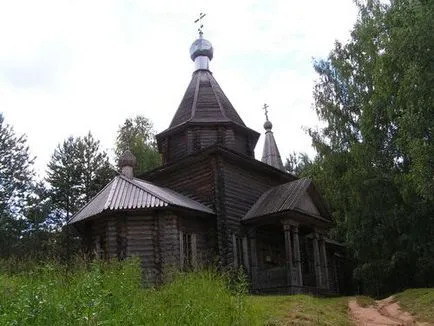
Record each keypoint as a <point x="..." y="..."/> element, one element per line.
<point x="112" y="294"/>
<point x="138" y="136"/>
<point x="375" y="161"/>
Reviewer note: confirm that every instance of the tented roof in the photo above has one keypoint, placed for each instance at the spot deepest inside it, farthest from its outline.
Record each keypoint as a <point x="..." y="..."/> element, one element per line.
<point x="204" y="101"/>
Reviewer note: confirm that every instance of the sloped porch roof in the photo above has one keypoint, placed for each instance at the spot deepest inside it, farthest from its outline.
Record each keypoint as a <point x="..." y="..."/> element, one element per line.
<point x="290" y="197"/>
<point x="123" y="193"/>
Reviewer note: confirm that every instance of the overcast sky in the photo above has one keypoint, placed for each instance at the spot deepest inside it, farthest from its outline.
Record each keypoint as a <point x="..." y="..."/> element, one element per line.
<point x="67" y="67"/>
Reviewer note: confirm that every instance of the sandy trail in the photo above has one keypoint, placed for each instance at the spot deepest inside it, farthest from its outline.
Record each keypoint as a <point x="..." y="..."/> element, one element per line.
<point x="385" y="312"/>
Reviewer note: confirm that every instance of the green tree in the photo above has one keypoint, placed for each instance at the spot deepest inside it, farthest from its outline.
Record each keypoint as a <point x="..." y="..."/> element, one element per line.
<point x="16" y="181"/>
<point x="95" y="169"/>
<point x="40" y="234"/>
<point x="78" y="169"/>
<point x="16" y="170"/>
<point x="375" y="155"/>
<point x="297" y="163"/>
<point x="137" y="135"/>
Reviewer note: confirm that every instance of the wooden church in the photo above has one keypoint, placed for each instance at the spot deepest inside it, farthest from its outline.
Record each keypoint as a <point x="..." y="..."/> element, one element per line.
<point x="211" y="202"/>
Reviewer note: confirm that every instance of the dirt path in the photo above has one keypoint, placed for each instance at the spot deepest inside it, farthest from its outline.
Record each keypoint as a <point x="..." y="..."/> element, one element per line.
<point x="385" y="312"/>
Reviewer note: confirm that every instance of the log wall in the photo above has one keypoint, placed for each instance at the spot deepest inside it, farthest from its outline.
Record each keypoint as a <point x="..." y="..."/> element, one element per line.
<point x="242" y="188"/>
<point x="226" y="185"/>
<point x="154" y="238"/>
<point x="194" y="181"/>
<point x="177" y="147"/>
<point x="140" y="243"/>
<point x="169" y="241"/>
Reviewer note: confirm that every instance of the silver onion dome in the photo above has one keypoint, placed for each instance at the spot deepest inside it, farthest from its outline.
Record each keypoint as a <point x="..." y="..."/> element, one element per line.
<point x="201" y="47"/>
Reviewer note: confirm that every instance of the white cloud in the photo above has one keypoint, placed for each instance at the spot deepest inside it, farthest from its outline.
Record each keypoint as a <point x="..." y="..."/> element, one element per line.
<point x="67" y="67"/>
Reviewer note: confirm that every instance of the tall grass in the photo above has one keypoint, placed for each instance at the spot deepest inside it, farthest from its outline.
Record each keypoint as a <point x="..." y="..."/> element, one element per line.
<point x="113" y="294"/>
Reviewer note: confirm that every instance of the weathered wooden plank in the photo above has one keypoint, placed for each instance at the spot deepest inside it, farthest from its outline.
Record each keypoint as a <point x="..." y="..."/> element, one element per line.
<point x="195" y="182"/>
<point x="169" y="241"/>
<point x="242" y="188"/>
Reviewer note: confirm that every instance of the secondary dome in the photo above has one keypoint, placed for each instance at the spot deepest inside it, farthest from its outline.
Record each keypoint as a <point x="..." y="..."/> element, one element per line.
<point x="268" y="125"/>
<point x="127" y="159"/>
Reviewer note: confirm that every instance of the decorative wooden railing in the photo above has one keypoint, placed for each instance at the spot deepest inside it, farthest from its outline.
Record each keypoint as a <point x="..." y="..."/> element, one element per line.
<point x="275" y="280"/>
<point x="270" y="278"/>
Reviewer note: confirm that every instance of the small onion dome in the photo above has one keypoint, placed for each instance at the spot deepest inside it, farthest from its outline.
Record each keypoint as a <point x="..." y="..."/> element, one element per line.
<point x="201" y="47"/>
<point x="127" y="159"/>
<point x="268" y="125"/>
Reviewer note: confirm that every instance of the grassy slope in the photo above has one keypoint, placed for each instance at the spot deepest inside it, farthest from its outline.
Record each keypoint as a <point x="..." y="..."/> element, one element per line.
<point x="111" y="294"/>
<point x="307" y="310"/>
<point x="419" y="302"/>
<point x="301" y="310"/>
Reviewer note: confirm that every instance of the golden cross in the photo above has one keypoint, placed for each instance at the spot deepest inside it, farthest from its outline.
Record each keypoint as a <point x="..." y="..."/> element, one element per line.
<point x="199" y="20"/>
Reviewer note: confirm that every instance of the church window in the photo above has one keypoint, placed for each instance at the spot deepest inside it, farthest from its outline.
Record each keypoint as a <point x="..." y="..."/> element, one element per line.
<point x="188" y="250"/>
<point x="101" y="242"/>
<point x="238" y="251"/>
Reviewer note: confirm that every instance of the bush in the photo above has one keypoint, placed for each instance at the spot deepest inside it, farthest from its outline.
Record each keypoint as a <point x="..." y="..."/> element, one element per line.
<point x="113" y="294"/>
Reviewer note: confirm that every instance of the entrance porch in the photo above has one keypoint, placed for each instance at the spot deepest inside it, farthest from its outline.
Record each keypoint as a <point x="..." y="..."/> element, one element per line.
<point x="288" y="257"/>
<point x="288" y="249"/>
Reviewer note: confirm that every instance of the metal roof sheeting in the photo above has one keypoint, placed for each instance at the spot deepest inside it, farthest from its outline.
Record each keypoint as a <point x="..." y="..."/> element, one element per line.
<point x="124" y="193"/>
<point x="280" y="198"/>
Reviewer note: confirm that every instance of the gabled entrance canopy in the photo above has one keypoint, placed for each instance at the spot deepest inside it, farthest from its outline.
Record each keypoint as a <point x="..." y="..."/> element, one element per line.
<point x="297" y="198"/>
<point x="295" y="260"/>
